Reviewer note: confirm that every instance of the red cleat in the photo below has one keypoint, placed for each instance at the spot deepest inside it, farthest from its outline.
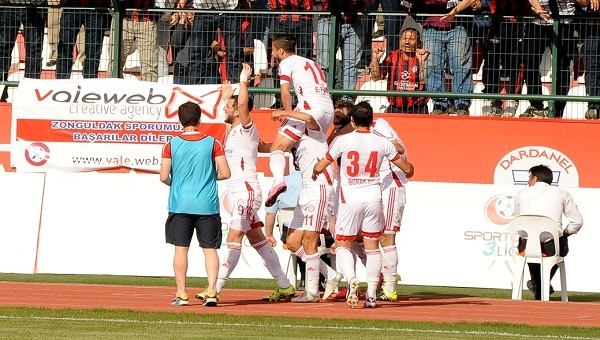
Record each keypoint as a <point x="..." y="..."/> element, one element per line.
<point x="275" y="191"/>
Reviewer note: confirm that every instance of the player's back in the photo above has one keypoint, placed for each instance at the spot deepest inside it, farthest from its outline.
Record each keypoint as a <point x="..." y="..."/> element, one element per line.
<point x="309" y="83"/>
<point x="361" y="156"/>
<point x="309" y="150"/>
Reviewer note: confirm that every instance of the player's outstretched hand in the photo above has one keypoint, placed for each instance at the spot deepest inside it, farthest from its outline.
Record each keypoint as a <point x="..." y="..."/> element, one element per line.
<point x="226" y="90"/>
<point x="246" y="72"/>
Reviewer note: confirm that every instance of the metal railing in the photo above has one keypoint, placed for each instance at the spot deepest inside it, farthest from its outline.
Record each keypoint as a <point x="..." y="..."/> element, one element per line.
<point x="218" y="41"/>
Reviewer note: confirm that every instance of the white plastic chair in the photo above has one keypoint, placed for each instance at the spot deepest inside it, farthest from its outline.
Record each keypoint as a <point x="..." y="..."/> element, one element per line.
<point x="535" y="226"/>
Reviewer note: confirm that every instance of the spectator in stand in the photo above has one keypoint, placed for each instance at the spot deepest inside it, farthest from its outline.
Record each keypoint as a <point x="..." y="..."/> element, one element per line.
<point x="497" y="40"/>
<point x="592" y="58"/>
<point x="298" y="26"/>
<point x="140" y="27"/>
<point x="204" y="32"/>
<point x="180" y="33"/>
<point x="351" y="39"/>
<point x="447" y="40"/>
<point x="391" y="24"/>
<point x="404" y="69"/>
<point x="32" y="19"/>
<point x="54" y="13"/>
<point x="96" y="21"/>
<point x="538" y="36"/>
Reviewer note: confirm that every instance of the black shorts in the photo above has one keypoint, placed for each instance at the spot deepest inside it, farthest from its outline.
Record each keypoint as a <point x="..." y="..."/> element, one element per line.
<point x="179" y="230"/>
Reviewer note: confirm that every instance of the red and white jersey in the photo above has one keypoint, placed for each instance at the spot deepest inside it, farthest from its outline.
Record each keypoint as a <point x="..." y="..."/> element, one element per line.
<point x="241" y="151"/>
<point x="310" y="85"/>
<point x="361" y="156"/>
<point x="389" y="174"/>
<point x="309" y="150"/>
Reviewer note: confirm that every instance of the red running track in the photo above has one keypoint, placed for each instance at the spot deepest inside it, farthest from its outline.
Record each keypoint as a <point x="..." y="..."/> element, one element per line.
<point x="237" y="302"/>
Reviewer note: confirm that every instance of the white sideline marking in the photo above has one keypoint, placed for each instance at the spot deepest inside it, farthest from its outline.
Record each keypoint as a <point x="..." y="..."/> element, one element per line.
<point x="259" y="325"/>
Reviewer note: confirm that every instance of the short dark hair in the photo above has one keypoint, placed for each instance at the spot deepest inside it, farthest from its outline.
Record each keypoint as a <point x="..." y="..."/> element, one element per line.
<point x="285" y="41"/>
<point x="362" y="114"/>
<point x="189" y="114"/>
<point x="543" y="173"/>
<point x="250" y="102"/>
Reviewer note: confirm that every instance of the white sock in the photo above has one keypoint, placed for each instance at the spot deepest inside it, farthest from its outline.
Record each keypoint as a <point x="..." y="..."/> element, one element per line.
<point x="234" y="250"/>
<point x="271" y="261"/>
<point x="390" y="267"/>
<point x="345" y="263"/>
<point x="311" y="284"/>
<point x="359" y="250"/>
<point x="301" y="254"/>
<point x="277" y="165"/>
<point x="326" y="270"/>
<point x="373" y="271"/>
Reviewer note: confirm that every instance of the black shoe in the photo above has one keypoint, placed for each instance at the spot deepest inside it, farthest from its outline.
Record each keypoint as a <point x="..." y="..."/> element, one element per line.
<point x="534" y="289"/>
<point x="301" y="285"/>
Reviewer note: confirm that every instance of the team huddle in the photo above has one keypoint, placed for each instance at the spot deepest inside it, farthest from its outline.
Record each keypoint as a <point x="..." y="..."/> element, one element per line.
<point x="352" y="187"/>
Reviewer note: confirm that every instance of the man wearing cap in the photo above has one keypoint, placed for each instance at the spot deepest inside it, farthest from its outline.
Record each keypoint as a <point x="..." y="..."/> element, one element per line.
<point x="404" y="69"/>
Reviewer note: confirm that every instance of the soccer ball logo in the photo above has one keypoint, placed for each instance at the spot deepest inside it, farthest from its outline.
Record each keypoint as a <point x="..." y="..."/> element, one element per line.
<point x="500" y="209"/>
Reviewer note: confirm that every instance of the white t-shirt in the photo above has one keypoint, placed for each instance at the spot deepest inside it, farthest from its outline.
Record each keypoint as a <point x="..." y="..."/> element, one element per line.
<point x="361" y="156"/>
<point x="241" y="151"/>
<point x="390" y="174"/>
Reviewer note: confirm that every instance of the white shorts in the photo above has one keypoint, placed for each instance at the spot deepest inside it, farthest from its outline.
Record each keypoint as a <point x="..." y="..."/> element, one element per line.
<point x="244" y="209"/>
<point x="314" y="208"/>
<point x="294" y="129"/>
<point x="353" y="218"/>
<point x="393" y="200"/>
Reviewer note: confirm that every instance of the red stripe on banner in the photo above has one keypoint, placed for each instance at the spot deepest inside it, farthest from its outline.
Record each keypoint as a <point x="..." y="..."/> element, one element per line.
<point x="5" y="117"/>
<point x="106" y="131"/>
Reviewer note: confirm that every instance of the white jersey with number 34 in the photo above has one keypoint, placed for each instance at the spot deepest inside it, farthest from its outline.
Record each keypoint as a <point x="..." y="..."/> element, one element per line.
<point x="361" y="156"/>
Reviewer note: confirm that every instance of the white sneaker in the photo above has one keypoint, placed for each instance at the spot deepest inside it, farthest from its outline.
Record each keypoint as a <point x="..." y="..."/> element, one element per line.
<point x="306" y="297"/>
<point x="331" y="285"/>
<point x="352" y="294"/>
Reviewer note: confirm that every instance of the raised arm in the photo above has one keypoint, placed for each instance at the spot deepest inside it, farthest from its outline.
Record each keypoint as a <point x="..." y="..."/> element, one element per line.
<point x="242" y="100"/>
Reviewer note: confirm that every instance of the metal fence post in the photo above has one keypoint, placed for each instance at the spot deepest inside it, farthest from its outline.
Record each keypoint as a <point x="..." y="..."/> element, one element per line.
<point x="117" y="38"/>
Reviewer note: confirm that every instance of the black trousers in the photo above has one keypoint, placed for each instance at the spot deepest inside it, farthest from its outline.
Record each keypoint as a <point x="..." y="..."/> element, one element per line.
<point x="548" y="249"/>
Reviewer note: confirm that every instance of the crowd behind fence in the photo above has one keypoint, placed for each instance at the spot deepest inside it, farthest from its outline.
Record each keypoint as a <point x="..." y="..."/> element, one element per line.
<point x="404" y="57"/>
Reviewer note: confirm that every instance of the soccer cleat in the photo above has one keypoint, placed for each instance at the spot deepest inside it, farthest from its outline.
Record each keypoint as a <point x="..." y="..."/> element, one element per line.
<point x="211" y="299"/>
<point x="281" y="294"/>
<point x="331" y="285"/>
<point x="341" y="294"/>
<point x="181" y="300"/>
<point x="352" y="294"/>
<point x="370" y="302"/>
<point x="307" y="297"/>
<point x="275" y="191"/>
<point x="384" y="295"/>
<point x="202" y="295"/>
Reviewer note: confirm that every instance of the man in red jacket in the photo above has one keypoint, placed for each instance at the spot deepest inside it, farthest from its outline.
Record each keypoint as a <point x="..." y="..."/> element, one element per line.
<point x="404" y="69"/>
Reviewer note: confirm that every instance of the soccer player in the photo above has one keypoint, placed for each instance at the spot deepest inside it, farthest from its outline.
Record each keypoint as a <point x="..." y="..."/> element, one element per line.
<point x="312" y="213"/>
<point x="188" y="167"/>
<point x="360" y="208"/>
<point x="393" y="194"/>
<point x="310" y="86"/>
<point x="243" y="190"/>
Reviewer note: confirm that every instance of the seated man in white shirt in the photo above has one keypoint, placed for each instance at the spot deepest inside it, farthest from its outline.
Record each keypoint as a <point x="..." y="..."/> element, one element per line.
<point x="541" y="198"/>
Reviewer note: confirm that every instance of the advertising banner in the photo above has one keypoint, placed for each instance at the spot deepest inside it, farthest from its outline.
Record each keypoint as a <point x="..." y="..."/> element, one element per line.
<point x="96" y="124"/>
